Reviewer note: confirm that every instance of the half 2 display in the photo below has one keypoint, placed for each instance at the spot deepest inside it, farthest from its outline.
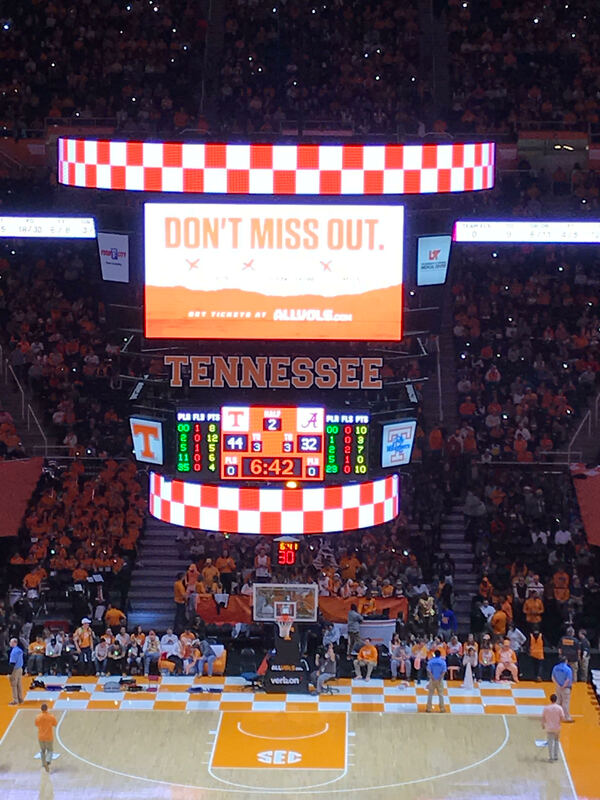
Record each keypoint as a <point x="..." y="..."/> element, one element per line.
<point x="272" y="443"/>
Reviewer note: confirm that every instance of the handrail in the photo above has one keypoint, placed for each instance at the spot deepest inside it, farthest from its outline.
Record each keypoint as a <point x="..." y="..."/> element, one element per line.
<point x="439" y="379"/>
<point x="569" y="456"/>
<point x="80" y="122"/>
<point x="31" y="414"/>
<point x="587" y="419"/>
<point x="596" y="408"/>
<point x="57" y="452"/>
<point x="19" y="387"/>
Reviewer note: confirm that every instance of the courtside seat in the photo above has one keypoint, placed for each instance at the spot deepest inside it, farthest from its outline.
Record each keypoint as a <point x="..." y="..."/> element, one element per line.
<point x="220" y="661"/>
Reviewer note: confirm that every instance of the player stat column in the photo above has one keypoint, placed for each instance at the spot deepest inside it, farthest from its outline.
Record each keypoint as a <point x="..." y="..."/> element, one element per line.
<point x="266" y="443"/>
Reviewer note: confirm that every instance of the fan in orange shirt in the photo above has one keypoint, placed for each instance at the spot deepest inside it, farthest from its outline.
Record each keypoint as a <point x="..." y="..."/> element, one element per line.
<point x="367" y="606"/>
<point x="367" y="657"/>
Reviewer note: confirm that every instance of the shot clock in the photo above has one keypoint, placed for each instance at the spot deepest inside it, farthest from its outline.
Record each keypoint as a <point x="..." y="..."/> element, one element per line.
<point x="287" y="551"/>
<point x="272" y="443"/>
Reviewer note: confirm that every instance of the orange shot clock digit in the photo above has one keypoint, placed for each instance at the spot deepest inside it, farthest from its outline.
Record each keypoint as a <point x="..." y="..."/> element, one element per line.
<point x="272" y="443"/>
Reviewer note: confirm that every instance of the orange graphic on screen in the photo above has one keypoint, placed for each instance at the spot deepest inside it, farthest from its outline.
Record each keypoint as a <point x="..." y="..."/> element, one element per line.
<point x="273" y="271"/>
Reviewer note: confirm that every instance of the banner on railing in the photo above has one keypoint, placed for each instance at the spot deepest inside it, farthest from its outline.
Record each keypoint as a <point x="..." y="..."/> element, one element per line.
<point x="113" y="249"/>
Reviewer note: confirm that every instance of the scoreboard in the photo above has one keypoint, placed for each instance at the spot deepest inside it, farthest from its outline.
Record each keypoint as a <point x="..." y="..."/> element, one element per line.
<point x="272" y="443"/>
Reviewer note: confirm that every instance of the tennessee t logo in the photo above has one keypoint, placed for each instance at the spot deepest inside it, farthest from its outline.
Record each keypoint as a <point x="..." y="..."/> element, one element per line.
<point x="147" y="432"/>
<point x="236" y="418"/>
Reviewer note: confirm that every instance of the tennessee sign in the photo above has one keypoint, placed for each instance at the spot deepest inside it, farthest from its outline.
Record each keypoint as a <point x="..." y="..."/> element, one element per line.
<point x="274" y="372"/>
<point x="318" y="272"/>
<point x="397" y="442"/>
<point x="147" y="436"/>
<point x="433" y="254"/>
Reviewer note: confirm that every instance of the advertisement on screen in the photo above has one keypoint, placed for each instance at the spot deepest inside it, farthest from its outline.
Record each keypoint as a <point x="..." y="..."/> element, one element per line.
<point x="433" y="255"/>
<point x="320" y="272"/>
<point x="526" y="232"/>
<point x="113" y="249"/>
<point x="397" y="441"/>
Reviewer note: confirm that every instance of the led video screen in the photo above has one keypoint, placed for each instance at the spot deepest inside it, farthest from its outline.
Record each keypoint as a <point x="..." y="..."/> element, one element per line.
<point x="297" y="272"/>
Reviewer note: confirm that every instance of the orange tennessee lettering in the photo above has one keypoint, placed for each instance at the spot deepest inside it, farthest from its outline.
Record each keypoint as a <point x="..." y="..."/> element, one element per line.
<point x="176" y="362"/>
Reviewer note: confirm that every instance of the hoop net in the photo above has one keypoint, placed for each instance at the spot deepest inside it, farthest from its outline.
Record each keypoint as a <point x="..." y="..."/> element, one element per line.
<point x="285" y="625"/>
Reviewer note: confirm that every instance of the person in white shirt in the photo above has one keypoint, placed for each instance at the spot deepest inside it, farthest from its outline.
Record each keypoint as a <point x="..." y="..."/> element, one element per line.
<point x="170" y="648"/>
<point x="323" y="585"/>
<point x="562" y="536"/>
<point x="246" y="589"/>
<point x="487" y="610"/>
<point x="122" y="639"/>
<point x="534" y="586"/>
<point x="262" y="564"/>
<point x="516" y="637"/>
<point x="541" y="535"/>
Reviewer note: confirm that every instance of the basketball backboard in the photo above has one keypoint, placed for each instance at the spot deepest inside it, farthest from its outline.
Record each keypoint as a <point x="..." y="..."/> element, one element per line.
<point x="269" y="598"/>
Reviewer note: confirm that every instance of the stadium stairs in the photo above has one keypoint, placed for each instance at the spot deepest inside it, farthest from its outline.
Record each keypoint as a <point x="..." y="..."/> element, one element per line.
<point x="454" y="542"/>
<point x="158" y="562"/>
<point x="10" y="400"/>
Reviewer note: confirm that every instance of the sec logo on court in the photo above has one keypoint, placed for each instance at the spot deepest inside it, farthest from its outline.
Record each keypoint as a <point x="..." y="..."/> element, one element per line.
<point x="279" y="757"/>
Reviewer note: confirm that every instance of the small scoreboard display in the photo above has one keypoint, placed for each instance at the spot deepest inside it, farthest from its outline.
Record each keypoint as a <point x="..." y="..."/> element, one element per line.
<point x="272" y="443"/>
<point x="287" y="552"/>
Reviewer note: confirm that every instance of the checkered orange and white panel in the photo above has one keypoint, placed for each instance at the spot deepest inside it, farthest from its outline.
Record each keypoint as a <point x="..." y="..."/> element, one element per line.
<point x="274" y="511"/>
<point x="280" y="169"/>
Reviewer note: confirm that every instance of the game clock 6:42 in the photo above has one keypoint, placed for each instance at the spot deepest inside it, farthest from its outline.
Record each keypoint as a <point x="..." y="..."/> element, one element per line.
<point x="271" y="467"/>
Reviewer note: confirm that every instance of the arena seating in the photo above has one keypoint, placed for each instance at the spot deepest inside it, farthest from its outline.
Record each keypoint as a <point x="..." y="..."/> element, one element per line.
<point x="147" y="73"/>
<point x="526" y="332"/>
<point x="334" y="63"/>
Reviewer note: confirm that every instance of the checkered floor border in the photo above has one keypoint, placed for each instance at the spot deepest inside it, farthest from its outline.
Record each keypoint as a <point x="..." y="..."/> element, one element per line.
<point x="229" y="693"/>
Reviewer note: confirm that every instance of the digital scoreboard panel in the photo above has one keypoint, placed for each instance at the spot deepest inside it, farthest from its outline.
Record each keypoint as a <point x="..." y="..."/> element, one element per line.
<point x="272" y="443"/>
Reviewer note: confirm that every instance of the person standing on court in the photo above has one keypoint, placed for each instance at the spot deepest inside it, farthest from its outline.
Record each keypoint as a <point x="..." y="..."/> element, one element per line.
<point x="436" y="670"/>
<point x="45" y="723"/>
<point x="15" y="666"/>
<point x="569" y="647"/>
<point x="584" y="655"/>
<point x="552" y="717"/>
<point x="562" y="676"/>
<point x="354" y="620"/>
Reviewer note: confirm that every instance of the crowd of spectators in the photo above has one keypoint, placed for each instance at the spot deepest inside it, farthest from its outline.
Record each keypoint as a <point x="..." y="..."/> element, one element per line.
<point x="499" y="52"/>
<point x="362" y="66"/>
<point x="396" y="560"/>
<point x="79" y="538"/>
<point x="353" y="63"/>
<point x="139" y="61"/>
<point x="527" y="333"/>
<point x="58" y="344"/>
<point x="502" y="650"/>
<point x="11" y="445"/>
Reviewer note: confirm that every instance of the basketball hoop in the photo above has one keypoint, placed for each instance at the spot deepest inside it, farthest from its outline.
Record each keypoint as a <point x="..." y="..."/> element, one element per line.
<point x="285" y="625"/>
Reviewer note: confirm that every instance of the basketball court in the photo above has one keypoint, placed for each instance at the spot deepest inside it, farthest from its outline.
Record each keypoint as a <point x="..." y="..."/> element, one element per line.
<point x="243" y="745"/>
